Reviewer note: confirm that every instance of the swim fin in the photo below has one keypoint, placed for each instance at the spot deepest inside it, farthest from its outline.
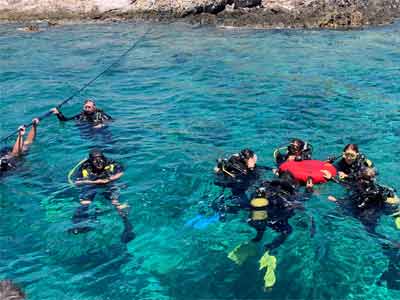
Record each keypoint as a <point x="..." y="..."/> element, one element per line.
<point x="201" y="221"/>
<point x="128" y="234"/>
<point x="269" y="262"/>
<point x="397" y="222"/>
<point x="242" y="252"/>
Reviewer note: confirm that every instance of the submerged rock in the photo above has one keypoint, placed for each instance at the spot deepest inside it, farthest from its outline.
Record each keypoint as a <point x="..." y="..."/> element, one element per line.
<point x="250" y="13"/>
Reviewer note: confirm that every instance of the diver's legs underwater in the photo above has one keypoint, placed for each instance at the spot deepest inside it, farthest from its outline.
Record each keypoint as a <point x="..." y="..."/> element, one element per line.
<point x="113" y="194"/>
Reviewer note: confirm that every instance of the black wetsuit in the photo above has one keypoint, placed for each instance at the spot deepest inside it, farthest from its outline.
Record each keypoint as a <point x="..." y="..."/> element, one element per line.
<point x="235" y="175"/>
<point x="111" y="191"/>
<point x="353" y="171"/>
<point x="87" y="171"/>
<point x="7" y="161"/>
<point x="281" y="158"/>
<point x="282" y="200"/>
<point x="95" y="118"/>
<point x="367" y="202"/>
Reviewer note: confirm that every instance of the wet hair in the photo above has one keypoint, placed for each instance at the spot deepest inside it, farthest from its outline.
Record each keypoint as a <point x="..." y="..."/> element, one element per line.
<point x="96" y="153"/>
<point x="298" y="142"/>
<point x="245" y="154"/>
<point x="90" y="100"/>
<point x="368" y="173"/>
<point x="9" y="291"/>
<point x="353" y="147"/>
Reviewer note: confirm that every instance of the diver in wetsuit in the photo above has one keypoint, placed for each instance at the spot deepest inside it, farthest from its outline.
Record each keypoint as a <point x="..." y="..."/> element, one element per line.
<point x="297" y="150"/>
<point x="272" y="205"/>
<point x="99" y="172"/>
<point x="90" y="115"/>
<point x="352" y="163"/>
<point x="367" y="202"/>
<point x="9" y="156"/>
<point x="237" y="173"/>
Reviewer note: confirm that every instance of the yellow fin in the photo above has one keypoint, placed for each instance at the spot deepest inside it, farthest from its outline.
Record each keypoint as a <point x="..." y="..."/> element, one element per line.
<point x="269" y="262"/>
<point x="242" y="252"/>
<point x="269" y="278"/>
<point x="397" y="222"/>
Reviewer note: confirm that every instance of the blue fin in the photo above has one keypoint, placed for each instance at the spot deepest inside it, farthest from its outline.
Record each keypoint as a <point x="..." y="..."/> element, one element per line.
<point x="191" y="222"/>
<point x="205" y="221"/>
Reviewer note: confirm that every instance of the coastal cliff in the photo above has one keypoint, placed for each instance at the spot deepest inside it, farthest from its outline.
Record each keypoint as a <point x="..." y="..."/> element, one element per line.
<point x="241" y="13"/>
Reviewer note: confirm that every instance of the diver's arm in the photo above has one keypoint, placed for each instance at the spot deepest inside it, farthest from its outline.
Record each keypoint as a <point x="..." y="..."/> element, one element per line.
<point x="106" y="117"/>
<point x="63" y="118"/>
<point x="116" y="176"/>
<point x="31" y="135"/>
<point x="101" y="181"/>
<point x="19" y="143"/>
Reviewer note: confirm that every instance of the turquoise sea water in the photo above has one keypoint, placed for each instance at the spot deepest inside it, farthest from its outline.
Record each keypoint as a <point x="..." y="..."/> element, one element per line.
<point x="185" y="96"/>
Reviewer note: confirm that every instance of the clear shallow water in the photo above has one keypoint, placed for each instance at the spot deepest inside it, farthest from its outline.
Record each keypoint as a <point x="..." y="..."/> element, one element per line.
<point x="184" y="97"/>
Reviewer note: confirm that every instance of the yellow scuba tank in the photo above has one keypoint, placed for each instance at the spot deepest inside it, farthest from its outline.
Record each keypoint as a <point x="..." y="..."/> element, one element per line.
<point x="259" y="209"/>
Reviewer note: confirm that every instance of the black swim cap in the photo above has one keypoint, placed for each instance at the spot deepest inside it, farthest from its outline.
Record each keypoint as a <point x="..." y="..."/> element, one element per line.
<point x="96" y="153"/>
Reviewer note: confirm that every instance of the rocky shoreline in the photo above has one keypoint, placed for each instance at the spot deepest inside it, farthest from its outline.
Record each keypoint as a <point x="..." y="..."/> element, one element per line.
<point x="236" y="13"/>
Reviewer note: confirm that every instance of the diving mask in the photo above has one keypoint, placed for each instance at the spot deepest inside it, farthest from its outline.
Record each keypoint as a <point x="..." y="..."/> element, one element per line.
<point x="350" y="155"/>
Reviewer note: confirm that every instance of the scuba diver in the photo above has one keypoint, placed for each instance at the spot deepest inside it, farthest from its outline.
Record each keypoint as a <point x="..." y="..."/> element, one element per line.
<point x="90" y="115"/>
<point x="272" y="205"/>
<point x="99" y="172"/>
<point x="297" y="150"/>
<point x="351" y="163"/>
<point x="9" y="156"/>
<point x="237" y="173"/>
<point x="367" y="202"/>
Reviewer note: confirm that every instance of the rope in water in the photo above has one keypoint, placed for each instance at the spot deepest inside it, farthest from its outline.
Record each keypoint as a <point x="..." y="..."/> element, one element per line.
<point x="47" y="114"/>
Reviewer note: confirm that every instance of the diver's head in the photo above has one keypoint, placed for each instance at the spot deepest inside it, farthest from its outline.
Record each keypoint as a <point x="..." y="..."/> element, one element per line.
<point x="296" y="147"/>
<point x="97" y="159"/>
<point x="368" y="174"/>
<point x="4" y="163"/>
<point x="249" y="157"/>
<point x="9" y="291"/>
<point x="350" y="153"/>
<point x="89" y="106"/>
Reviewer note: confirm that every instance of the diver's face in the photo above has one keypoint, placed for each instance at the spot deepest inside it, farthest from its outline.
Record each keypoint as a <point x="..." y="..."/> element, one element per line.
<point x="251" y="162"/>
<point x="89" y="107"/>
<point x="98" y="163"/>
<point x="350" y="156"/>
<point x="295" y="148"/>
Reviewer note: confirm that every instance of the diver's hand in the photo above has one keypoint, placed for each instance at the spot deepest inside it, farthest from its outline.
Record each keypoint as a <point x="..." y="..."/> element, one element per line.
<point x="35" y="122"/>
<point x="101" y="181"/>
<point x="327" y="175"/>
<point x="342" y="175"/>
<point x="309" y="183"/>
<point x="81" y="182"/>
<point x="331" y="198"/>
<point x="98" y="126"/>
<point x="21" y="130"/>
<point x="55" y="111"/>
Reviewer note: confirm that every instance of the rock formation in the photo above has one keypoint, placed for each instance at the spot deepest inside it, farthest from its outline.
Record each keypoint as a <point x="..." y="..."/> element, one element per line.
<point x="252" y="13"/>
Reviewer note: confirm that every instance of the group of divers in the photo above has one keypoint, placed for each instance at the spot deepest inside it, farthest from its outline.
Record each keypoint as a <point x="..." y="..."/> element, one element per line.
<point x="270" y="203"/>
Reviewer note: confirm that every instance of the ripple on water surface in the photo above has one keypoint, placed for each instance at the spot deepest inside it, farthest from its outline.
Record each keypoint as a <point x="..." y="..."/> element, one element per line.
<point x="182" y="98"/>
